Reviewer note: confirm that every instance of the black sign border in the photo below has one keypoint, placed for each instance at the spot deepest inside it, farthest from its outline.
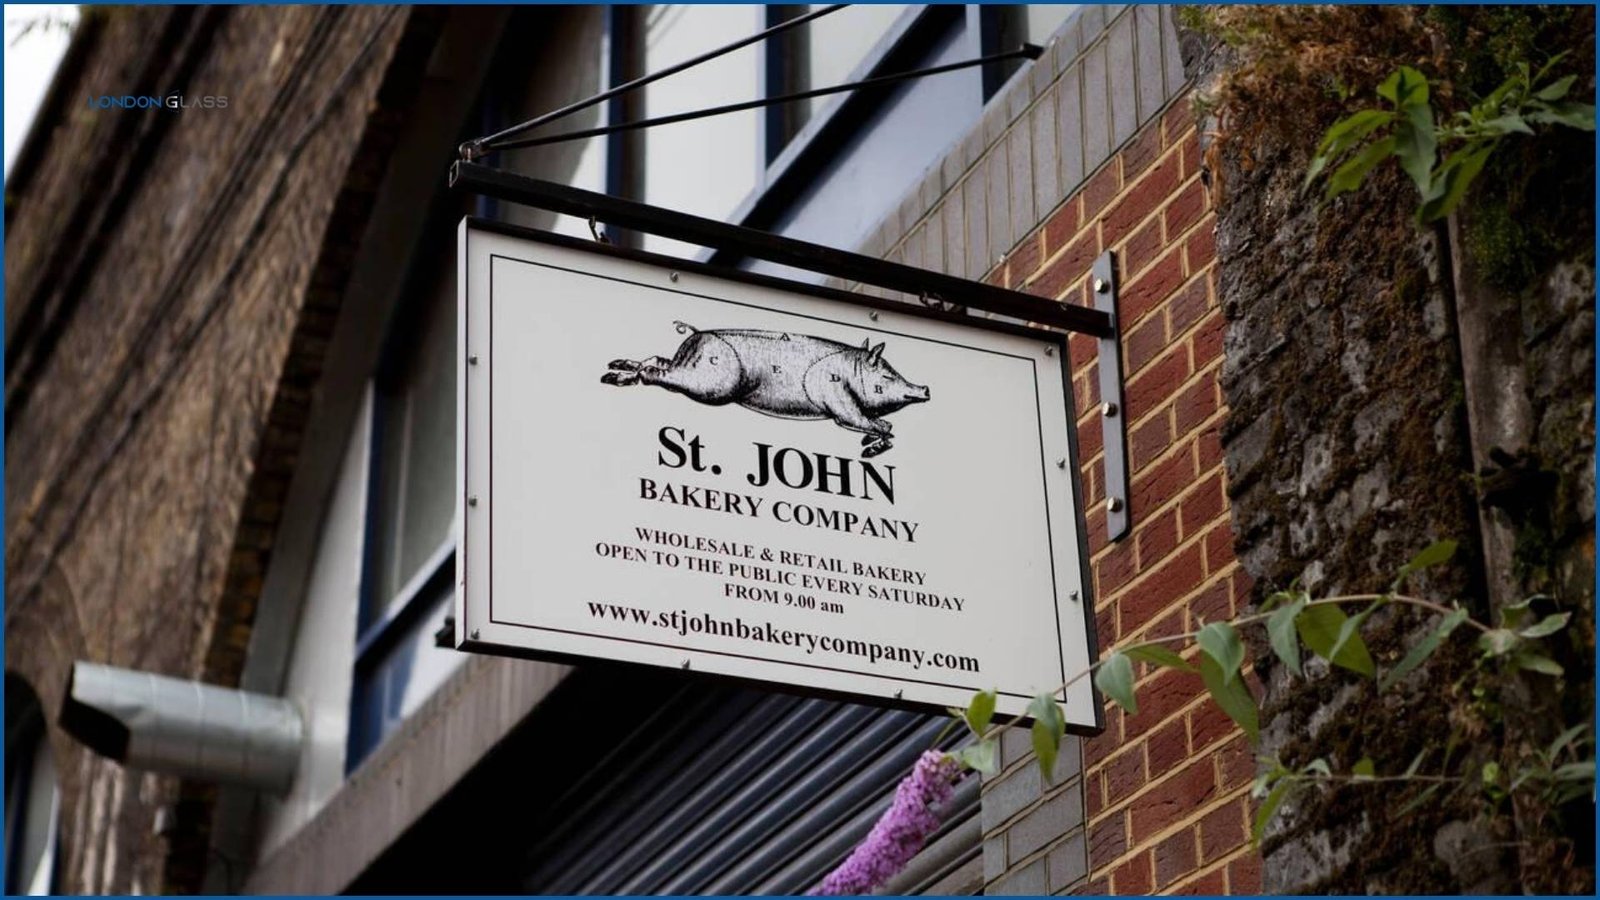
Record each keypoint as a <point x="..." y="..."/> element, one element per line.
<point x="1055" y="338"/>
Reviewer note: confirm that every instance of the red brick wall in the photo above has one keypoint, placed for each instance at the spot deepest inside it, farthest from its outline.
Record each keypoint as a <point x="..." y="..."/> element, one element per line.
<point x="1166" y="790"/>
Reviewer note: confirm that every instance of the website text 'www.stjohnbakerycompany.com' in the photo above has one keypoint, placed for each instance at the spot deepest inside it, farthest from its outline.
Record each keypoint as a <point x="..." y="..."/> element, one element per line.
<point x="684" y="623"/>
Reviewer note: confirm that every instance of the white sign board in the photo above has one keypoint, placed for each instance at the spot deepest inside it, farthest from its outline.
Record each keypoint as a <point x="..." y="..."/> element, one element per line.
<point x="758" y="479"/>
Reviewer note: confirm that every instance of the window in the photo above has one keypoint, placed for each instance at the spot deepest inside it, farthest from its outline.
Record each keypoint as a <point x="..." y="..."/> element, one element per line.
<point x="33" y="797"/>
<point x="703" y="166"/>
<point x="836" y="45"/>
<point x="407" y="578"/>
<point x="548" y="57"/>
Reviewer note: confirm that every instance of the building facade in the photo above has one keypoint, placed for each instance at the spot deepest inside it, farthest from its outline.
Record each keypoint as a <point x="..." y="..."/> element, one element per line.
<point x="230" y="442"/>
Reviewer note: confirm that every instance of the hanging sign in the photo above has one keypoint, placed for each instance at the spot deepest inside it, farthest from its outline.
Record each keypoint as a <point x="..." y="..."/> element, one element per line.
<point x="737" y="475"/>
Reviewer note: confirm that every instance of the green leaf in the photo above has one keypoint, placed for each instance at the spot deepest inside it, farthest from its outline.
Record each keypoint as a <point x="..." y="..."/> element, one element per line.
<point x="1355" y="126"/>
<point x="1546" y="626"/>
<point x="1343" y="135"/>
<point x="1220" y="642"/>
<point x="1157" y="655"/>
<point x="1557" y="89"/>
<point x="983" y="756"/>
<point x="1565" y="738"/>
<point x="1364" y="768"/>
<point x="1280" y="631"/>
<point x="1416" y="762"/>
<point x="1423" y="649"/>
<point x="1578" y="771"/>
<point x="1266" y="810"/>
<point x="1572" y="115"/>
<point x="980" y="711"/>
<point x="1549" y="64"/>
<point x="1431" y="555"/>
<point x="1498" y="641"/>
<point x="1319" y="628"/>
<point x="1114" y="678"/>
<point x="1232" y="696"/>
<point x="1048" y="727"/>
<point x="1318" y="766"/>
<point x="1533" y="662"/>
<point x="1405" y="87"/>
<point x="1412" y="804"/>
<point x="1349" y="176"/>
<point x="1416" y="146"/>
<point x="1510" y="123"/>
<point x="1457" y="175"/>
<point x="1350" y="630"/>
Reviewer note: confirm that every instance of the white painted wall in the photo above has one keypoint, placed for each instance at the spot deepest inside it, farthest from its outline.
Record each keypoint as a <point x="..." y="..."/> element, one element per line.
<point x="323" y="658"/>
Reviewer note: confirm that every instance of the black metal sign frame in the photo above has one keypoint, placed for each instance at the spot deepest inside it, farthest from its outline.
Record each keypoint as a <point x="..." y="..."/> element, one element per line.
<point x="1100" y="322"/>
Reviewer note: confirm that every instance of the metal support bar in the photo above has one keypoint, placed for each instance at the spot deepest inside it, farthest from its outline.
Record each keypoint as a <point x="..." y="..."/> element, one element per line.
<point x="1027" y="51"/>
<point x="615" y="211"/>
<point x="1113" y="411"/>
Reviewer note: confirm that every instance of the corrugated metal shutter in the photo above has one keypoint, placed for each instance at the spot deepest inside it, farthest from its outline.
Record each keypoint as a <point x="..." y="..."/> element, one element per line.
<point x="751" y="793"/>
<point x="648" y="781"/>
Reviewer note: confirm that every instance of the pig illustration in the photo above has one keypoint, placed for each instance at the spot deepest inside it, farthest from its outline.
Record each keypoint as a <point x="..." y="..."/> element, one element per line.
<point x="790" y="376"/>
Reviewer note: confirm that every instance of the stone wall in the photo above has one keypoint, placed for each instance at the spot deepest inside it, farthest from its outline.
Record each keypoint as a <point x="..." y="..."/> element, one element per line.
<point x="1367" y="381"/>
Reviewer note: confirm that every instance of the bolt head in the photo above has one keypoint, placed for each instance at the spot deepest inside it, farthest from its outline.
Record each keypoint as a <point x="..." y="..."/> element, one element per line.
<point x="474" y="634"/>
<point x="1113" y="504"/>
<point x="1061" y="463"/>
<point x="472" y="360"/>
<point x="1101" y="286"/>
<point x="1049" y="350"/>
<point x="673" y="275"/>
<point x="472" y="500"/>
<point x="1108" y="409"/>
<point x="873" y="315"/>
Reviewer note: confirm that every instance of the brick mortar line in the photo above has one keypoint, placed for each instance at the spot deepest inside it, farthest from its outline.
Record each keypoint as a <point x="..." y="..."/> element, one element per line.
<point x="1204" y="427"/>
<point x="1168" y="242"/>
<point x="1083" y="369"/>
<point x="1178" y="388"/>
<point x="1191" y="540"/>
<point x="1212" y="580"/>
<point x="1184" y="542"/>
<point x="1187" y="280"/>
<point x="1181" y="438"/>
<point x="1156" y="118"/>
<point x="1130" y="744"/>
<point x="1217" y="865"/>
<point x="1157" y="837"/>
<point x="1143" y="739"/>
<point x="1045" y="796"/>
<point x="1126" y="187"/>
<point x="1028" y="758"/>
<point x="1013" y="866"/>
<point x="1193" y="819"/>
<point x="1094" y="226"/>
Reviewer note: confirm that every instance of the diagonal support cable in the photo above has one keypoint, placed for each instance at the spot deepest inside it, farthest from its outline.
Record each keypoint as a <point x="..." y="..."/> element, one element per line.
<point x="1027" y="51"/>
<point x="477" y="147"/>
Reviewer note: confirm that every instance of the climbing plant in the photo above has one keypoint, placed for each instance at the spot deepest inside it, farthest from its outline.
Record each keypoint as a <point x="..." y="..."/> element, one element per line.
<point x="1295" y="625"/>
<point x="1442" y="154"/>
<point x="1298" y="628"/>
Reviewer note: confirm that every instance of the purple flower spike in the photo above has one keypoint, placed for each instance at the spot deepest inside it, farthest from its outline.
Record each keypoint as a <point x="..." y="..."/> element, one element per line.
<point x="900" y="833"/>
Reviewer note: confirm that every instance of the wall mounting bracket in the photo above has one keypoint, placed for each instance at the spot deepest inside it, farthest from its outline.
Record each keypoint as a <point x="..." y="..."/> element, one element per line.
<point x="1100" y="322"/>
<point x="1113" y="406"/>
